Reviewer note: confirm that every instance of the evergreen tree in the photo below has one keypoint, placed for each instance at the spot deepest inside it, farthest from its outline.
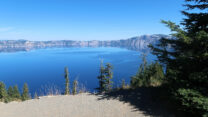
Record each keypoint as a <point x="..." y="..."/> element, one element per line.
<point x="139" y="78"/>
<point x="105" y="77"/>
<point x="101" y="78"/>
<point x="25" y="93"/>
<point x="196" y="22"/>
<point x="186" y="58"/>
<point x="157" y="74"/>
<point x="109" y="76"/>
<point x="67" y="89"/>
<point x="3" y="92"/>
<point x="16" y="93"/>
<point x="10" y="93"/>
<point x="75" y="83"/>
<point x="148" y="75"/>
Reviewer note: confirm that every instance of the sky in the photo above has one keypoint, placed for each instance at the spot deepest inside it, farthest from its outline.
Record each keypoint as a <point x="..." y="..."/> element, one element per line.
<point x="85" y="19"/>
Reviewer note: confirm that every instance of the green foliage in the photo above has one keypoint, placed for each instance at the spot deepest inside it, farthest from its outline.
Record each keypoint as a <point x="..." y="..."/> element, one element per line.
<point x="25" y="93"/>
<point x="196" y="22"/>
<point x="148" y="75"/>
<point x="193" y="101"/>
<point x="105" y="77"/>
<point x="10" y="93"/>
<point x="186" y="58"/>
<point x="109" y="77"/>
<point x="16" y="94"/>
<point x="75" y="83"/>
<point x="101" y="78"/>
<point x="67" y="90"/>
<point x="3" y="93"/>
<point x="13" y="93"/>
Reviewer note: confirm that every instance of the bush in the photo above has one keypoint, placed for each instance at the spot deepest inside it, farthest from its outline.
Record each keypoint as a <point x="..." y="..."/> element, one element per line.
<point x="193" y="101"/>
<point x="148" y="75"/>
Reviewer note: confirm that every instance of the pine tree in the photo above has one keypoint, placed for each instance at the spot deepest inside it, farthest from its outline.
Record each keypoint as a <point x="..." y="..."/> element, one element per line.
<point x="10" y="93"/>
<point x="109" y="77"/>
<point x="196" y="22"/>
<point x="75" y="83"/>
<point x="148" y="75"/>
<point x="16" y="93"/>
<point x="186" y="58"/>
<point x="139" y="79"/>
<point x="101" y="78"/>
<point x="3" y="92"/>
<point x="25" y="93"/>
<point x="188" y="55"/>
<point x="67" y="89"/>
<point x="157" y="74"/>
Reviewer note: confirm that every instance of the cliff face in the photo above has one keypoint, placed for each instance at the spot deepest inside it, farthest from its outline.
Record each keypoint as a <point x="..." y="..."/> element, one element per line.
<point x="135" y="43"/>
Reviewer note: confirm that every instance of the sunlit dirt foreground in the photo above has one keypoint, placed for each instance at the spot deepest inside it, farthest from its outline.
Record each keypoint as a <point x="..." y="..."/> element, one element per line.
<point x="81" y="105"/>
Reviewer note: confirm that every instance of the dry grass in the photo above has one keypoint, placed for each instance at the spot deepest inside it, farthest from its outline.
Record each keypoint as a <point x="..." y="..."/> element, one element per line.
<point x="49" y="89"/>
<point x="54" y="90"/>
<point x="81" y="105"/>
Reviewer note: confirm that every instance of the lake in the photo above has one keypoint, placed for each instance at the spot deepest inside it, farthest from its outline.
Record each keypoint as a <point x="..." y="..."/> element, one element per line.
<point x="43" y="69"/>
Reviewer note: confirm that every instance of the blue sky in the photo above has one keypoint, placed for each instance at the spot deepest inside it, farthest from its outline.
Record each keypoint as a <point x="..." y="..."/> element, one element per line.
<point x="85" y="19"/>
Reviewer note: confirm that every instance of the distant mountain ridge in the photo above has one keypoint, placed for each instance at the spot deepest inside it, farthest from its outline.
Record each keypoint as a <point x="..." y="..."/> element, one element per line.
<point x="134" y="43"/>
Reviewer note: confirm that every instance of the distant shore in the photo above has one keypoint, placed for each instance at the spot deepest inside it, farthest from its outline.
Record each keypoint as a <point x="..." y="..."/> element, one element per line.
<point x="134" y="43"/>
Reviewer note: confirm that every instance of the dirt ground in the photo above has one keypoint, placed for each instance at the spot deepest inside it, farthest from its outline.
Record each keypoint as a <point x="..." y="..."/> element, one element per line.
<point x="81" y="105"/>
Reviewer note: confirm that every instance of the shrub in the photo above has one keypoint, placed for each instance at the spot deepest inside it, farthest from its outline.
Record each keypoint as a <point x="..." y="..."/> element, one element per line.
<point x="193" y="101"/>
<point x="148" y="75"/>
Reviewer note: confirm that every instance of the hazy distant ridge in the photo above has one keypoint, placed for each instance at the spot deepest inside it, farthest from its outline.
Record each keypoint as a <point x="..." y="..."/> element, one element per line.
<point x="135" y="43"/>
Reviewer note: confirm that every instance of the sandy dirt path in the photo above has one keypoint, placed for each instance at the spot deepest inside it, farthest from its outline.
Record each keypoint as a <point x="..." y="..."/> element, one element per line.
<point x="81" y="105"/>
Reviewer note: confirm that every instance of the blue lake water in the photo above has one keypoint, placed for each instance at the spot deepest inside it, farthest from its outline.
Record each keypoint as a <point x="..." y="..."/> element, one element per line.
<point x="44" y="68"/>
